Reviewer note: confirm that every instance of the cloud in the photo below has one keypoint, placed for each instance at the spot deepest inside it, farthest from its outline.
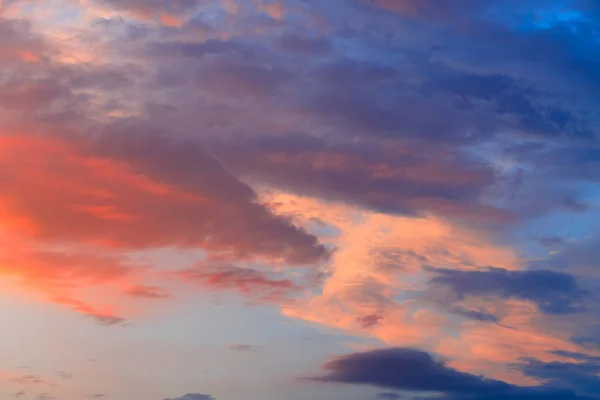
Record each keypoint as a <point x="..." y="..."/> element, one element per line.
<point x="126" y="197"/>
<point x="394" y="291"/>
<point x="105" y="194"/>
<point x="312" y="46"/>
<point x="28" y="380"/>
<point x="367" y="321"/>
<point x="19" y="44"/>
<point x="172" y="13"/>
<point x="148" y="292"/>
<point x="482" y="316"/>
<point x="52" y="268"/>
<point x="30" y="95"/>
<point x="553" y="292"/>
<point x="552" y="241"/>
<point x="578" y="257"/>
<point x="581" y="375"/>
<point x="575" y="355"/>
<point x="61" y="273"/>
<point x="417" y="371"/>
<point x="408" y="129"/>
<point x="243" y="347"/>
<point x="100" y="316"/>
<point x="405" y="369"/>
<point x="246" y="281"/>
<point x="193" y="396"/>
<point x="388" y="396"/>
<point x="64" y="375"/>
<point x="406" y="179"/>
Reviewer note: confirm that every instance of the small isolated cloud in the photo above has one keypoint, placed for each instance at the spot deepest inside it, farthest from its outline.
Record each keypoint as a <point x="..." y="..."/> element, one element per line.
<point x="243" y="347"/>
<point x="193" y="396"/>
<point x="28" y="380"/>
<point x="148" y="292"/>
<point x="247" y="281"/>
<point x="101" y="317"/>
<point x="96" y="396"/>
<point x="478" y="315"/>
<point x="64" y="375"/>
<point x="44" y="396"/>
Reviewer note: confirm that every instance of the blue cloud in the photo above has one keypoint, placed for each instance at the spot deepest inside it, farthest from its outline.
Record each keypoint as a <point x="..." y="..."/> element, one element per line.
<point x="553" y="292"/>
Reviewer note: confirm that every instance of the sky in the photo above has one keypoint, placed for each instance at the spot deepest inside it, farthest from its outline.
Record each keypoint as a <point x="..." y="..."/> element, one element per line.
<point x="300" y="199"/>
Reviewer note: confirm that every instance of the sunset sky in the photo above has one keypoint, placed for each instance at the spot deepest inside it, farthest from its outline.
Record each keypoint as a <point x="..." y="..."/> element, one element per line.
<point x="300" y="199"/>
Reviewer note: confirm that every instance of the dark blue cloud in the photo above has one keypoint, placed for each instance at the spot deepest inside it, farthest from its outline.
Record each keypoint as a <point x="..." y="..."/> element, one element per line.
<point x="405" y="369"/>
<point x="576" y="356"/>
<point x="581" y="375"/>
<point x="413" y="370"/>
<point x="524" y="394"/>
<point x="590" y="340"/>
<point x="476" y="314"/>
<point x="554" y="293"/>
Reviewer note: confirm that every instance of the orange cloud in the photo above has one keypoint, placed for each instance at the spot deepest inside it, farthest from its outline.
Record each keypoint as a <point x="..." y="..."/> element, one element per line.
<point x="274" y="9"/>
<point x="72" y="210"/>
<point x="62" y="274"/>
<point x="170" y="20"/>
<point x="171" y="13"/>
<point x="56" y="190"/>
<point x="378" y="282"/>
<point x="104" y="317"/>
<point x="45" y="268"/>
